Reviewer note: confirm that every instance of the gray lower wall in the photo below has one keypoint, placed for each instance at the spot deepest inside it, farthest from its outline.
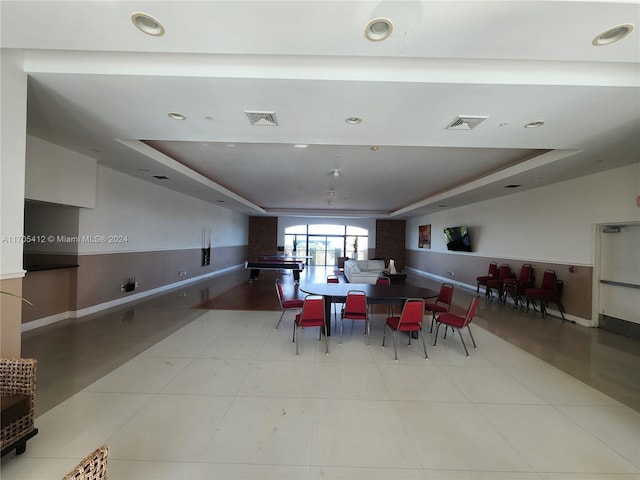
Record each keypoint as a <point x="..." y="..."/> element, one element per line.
<point x="98" y="278"/>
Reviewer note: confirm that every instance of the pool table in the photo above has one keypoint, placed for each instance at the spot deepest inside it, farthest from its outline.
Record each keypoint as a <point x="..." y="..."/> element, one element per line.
<point x="255" y="265"/>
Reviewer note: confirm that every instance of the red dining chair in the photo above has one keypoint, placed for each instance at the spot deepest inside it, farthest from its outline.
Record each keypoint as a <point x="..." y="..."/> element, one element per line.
<point x="550" y="291"/>
<point x="410" y="320"/>
<point x="384" y="281"/>
<point x="458" y="322"/>
<point x="355" y="308"/>
<point x="497" y="284"/>
<point x="286" y="303"/>
<point x="312" y="315"/>
<point x="334" y="279"/>
<point x="442" y="303"/>
<point x="482" y="280"/>
<point x="515" y="287"/>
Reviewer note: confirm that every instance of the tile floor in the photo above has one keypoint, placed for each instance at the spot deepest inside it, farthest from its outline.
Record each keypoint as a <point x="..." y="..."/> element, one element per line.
<point x="225" y="397"/>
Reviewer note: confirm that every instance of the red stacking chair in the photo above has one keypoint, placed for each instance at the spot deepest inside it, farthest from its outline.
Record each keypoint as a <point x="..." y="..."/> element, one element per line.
<point x="497" y="284"/>
<point x="457" y="322"/>
<point x="355" y="308"/>
<point x="549" y="292"/>
<point x="334" y="279"/>
<point x="442" y="303"/>
<point x="384" y="281"/>
<point x="515" y="287"/>
<point x="493" y="272"/>
<point x="286" y="303"/>
<point x="410" y="320"/>
<point x="312" y="315"/>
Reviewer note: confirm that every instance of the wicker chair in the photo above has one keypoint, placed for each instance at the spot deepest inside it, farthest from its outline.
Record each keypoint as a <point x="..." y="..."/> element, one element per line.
<point x="92" y="467"/>
<point x="18" y="393"/>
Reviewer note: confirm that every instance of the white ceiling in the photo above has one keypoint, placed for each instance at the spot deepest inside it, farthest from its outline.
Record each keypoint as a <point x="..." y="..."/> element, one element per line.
<point x="99" y="86"/>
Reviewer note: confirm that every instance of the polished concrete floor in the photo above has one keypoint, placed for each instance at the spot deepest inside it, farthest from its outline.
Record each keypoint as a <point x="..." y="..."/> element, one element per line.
<point x="178" y="392"/>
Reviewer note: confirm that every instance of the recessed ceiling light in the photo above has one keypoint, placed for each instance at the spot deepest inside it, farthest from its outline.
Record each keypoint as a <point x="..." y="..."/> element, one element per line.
<point x="613" y="35"/>
<point x="208" y="117"/>
<point x="374" y="148"/>
<point x="231" y="145"/>
<point x="300" y="145"/>
<point x="353" y="120"/>
<point x="535" y="124"/>
<point x="147" y="24"/>
<point x="378" y="29"/>
<point x="176" y="116"/>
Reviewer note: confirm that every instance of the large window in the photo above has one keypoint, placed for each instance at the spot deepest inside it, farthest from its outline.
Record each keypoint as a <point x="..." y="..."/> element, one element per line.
<point x="325" y="243"/>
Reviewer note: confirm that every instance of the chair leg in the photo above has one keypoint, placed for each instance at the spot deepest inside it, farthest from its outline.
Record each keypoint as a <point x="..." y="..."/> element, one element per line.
<point x="296" y="334"/>
<point x="326" y="339"/>
<point x="341" y="329"/>
<point x="462" y="340"/>
<point x="561" y="311"/>
<point x="435" y="337"/>
<point x="384" y="333"/>
<point x="279" y="320"/>
<point x="395" y="350"/>
<point x="424" y="345"/>
<point x="472" y="339"/>
<point x="293" y="339"/>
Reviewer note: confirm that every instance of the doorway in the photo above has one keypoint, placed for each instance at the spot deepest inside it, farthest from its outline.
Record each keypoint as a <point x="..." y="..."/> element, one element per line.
<point x="617" y="279"/>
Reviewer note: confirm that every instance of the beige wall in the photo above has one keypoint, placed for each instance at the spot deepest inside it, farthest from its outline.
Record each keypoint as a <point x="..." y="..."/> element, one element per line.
<point x="10" y="315"/>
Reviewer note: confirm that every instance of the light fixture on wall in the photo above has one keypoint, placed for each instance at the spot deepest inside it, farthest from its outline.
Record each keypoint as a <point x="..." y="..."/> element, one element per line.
<point x="335" y="172"/>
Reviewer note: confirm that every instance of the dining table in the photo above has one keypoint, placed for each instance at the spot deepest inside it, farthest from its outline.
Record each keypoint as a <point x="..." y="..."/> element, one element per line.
<point x="376" y="294"/>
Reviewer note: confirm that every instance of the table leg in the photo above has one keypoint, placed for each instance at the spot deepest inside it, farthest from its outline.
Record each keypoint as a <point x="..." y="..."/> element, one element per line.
<point x="328" y="301"/>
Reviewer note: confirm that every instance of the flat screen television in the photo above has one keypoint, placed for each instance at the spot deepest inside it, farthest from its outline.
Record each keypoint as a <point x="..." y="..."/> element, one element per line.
<point x="457" y="239"/>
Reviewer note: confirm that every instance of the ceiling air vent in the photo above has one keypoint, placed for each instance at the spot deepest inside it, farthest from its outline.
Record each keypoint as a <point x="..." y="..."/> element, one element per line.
<point x="466" y="122"/>
<point x="262" y="119"/>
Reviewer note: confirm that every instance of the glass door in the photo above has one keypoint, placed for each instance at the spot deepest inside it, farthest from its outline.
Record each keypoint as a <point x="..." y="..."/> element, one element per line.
<point x="324" y="249"/>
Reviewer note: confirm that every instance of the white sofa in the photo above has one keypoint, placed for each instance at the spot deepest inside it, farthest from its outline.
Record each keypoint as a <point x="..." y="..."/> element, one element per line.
<point x="363" y="271"/>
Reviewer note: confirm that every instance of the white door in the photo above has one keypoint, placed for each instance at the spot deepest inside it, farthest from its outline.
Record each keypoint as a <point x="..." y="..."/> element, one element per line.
<point x="620" y="272"/>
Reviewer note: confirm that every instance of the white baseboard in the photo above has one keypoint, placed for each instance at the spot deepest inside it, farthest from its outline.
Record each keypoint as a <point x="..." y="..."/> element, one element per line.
<point x="44" y="321"/>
